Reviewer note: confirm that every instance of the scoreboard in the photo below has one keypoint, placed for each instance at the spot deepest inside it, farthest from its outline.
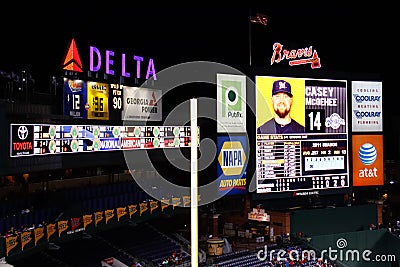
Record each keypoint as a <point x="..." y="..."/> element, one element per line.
<point x="115" y="101"/>
<point x="92" y="100"/>
<point x="315" y="158"/>
<point x="44" y="139"/>
<point x="97" y="104"/>
<point x="75" y="98"/>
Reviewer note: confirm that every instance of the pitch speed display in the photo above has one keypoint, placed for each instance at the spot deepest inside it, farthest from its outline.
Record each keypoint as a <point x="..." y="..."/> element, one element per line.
<point x="302" y="134"/>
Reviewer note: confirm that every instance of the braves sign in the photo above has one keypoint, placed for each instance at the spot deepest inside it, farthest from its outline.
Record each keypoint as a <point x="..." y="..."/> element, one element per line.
<point x="298" y="56"/>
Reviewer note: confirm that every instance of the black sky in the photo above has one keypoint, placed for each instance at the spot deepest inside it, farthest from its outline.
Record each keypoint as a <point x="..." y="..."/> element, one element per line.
<point x="352" y="39"/>
<point x="346" y="37"/>
<point x="357" y="39"/>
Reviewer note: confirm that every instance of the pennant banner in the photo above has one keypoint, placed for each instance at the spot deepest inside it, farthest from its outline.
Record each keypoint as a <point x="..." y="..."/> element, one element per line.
<point x="121" y="211"/>
<point x="26" y="237"/>
<point x="176" y="201"/>
<point x="132" y="210"/>
<point x="11" y="242"/>
<point x="186" y="201"/>
<point x="153" y="205"/>
<point x="50" y="230"/>
<point x="98" y="217"/>
<point x="87" y="220"/>
<point x="143" y="207"/>
<point x="165" y="203"/>
<point x="109" y="214"/>
<point x="39" y="234"/>
<point x="62" y="226"/>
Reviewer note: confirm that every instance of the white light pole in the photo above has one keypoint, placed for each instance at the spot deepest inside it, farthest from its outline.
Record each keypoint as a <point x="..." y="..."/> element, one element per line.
<point x="193" y="184"/>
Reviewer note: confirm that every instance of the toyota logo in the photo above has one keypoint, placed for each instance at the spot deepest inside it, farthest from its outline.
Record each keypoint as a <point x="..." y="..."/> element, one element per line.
<point x="22" y="132"/>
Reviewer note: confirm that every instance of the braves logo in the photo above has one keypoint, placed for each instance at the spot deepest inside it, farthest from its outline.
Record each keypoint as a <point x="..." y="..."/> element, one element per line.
<point x="305" y="55"/>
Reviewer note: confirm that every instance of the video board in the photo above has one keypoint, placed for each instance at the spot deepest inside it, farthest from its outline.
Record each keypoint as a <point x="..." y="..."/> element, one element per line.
<point x="302" y="134"/>
<point x="45" y="139"/>
<point x="92" y="100"/>
<point x="75" y="98"/>
<point x="104" y="101"/>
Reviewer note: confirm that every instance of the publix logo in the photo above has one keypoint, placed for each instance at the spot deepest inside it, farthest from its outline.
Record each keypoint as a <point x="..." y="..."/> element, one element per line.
<point x="367" y="154"/>
<point x="231" y="99"/>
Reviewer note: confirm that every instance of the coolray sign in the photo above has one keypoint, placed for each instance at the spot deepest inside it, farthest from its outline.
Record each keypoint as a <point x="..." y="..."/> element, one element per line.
<point x="367" y="106"/>
<point x="367" y="160"/>
<point x="109" y="61"/>
<point x="231" y="103"/>
<point x="232" y="164"/>
<point x="141" y="104"/>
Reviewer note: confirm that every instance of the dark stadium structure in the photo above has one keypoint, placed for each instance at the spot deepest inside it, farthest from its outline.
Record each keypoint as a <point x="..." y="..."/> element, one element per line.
<point x="85" y="142"/>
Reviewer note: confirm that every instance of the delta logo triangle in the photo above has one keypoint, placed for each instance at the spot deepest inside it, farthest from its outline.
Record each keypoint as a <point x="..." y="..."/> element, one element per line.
<point x="72" y="60"/>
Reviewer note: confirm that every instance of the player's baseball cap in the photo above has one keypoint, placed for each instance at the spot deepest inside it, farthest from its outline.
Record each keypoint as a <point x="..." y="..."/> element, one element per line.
<point x="281" y="86"/>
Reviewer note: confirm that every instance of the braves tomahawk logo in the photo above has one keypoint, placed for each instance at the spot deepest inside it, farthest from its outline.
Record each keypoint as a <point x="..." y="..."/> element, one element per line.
<point x="296" y="56"/>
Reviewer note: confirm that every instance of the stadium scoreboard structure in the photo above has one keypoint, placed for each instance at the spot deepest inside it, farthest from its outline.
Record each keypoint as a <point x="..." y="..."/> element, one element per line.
<point x="314" y="160"/>
<point x="92" y="100"/>
<point x="45" y="139"/>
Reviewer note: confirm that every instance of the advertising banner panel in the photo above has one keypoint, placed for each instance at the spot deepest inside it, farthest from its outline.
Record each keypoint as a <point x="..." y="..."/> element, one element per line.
<point x="367" y="160"/>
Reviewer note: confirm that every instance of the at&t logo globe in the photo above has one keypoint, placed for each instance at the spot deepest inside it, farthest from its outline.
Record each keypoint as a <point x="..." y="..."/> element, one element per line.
<point x="367" y="154"/>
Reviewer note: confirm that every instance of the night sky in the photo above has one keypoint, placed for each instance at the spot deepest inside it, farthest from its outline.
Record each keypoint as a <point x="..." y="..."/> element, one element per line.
<point x="348" y="39"/>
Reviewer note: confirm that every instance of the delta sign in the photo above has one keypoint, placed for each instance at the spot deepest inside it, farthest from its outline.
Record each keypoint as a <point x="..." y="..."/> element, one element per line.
<point x="109" y="62"/>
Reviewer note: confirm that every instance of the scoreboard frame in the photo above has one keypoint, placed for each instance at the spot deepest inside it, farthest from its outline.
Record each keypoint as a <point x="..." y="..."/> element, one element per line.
<point x="92" y="100"/>
<point x="304" y="163"/>
<point x="51" y="139"/>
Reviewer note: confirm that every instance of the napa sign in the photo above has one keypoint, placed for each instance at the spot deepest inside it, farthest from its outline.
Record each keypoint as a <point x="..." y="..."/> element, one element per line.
<point x="232" y="164"/>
